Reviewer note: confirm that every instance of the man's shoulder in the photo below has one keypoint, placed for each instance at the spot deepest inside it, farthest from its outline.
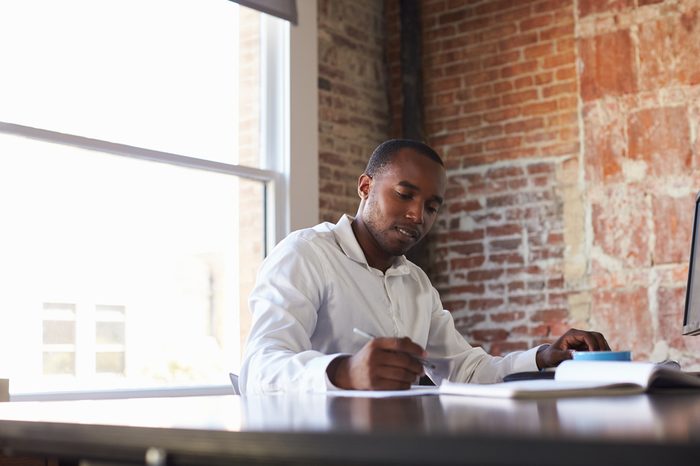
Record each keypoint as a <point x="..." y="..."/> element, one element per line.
<point x="320" y="235"/>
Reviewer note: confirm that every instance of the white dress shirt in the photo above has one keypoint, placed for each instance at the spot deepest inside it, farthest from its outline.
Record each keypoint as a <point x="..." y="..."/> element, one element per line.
<point x="316" y="286"/>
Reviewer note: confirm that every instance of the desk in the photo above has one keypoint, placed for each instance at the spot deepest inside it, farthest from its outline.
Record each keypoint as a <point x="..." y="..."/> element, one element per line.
<point x="636" y="430"/>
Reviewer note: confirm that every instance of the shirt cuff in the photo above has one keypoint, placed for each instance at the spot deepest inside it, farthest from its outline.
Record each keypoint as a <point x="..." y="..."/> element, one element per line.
<point x="527" y="360"/>
<point x="321" y="383"/>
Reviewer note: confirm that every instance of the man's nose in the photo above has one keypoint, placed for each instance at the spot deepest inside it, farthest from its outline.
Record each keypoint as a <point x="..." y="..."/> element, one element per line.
<point x="415" y="213"/>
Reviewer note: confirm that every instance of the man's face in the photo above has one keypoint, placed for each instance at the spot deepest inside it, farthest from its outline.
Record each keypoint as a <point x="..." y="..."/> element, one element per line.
<point x="403" y="200"/>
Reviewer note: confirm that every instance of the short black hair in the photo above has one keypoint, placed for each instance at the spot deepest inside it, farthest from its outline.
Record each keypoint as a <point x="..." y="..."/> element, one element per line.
<point x="385" y="151"/>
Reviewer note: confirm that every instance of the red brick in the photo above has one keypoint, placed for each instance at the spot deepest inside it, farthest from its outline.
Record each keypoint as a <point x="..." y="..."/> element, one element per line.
<point x="500" y="115"/>
<point x="608" y="65"/>
<point x="559" y="60"/>
<point x="503" y="143"/>
<point x="525" y="81"/>
<point x="504" y="230"/>
<point x="482" y="77"/>
<point x="467" y="263"/>
<point x="538" y="168"/>
<point x="484" y="132"/>
<point x="511" y="16"/>
<point x="481" y="105"/>
<point x="489" y="335"/>
<point x="519" y="69"/>
<point x="620" y="226"/>
<point x="471" y="288"/>
<point x="661" y="138"/>
<point x="557" y="89"/>
<point x="518" y="41"/>
<point x="565" y="74"/>
<point x="504" y="172"/>
<point x="536" y="22"/>
<point x="622" y="315"/>
<point x="605" y="141"/>
<point x="494" y="6"/>
<point x="455" y="305"/>
<point x="550" y="315"/>
<point x="505" y="245"/>
<point x="589" y="7"/>
<point x="484" y="275"/>
<point x="669" y="50"/>
<point x="515" y="286"/>
<point x="506" y="259"/>
<point x="544" y="78"/>
<point x="526" y="300"/>
<point x="538" y="50"/>
<point x="546" y="106"/>
<point x="519" y="97"/>
<point x="484" y="304"/>
<point x="529" y="270"/>
<point x="464" y="206"/>
<point x="500" y="60"/>
<point x="525" y="125"/>
<point x="550" y="5"/>
<point x="507" y="316"/>
<point x="557" y="32"/>
<point x="566" y="45"/>
<point x="499" y="32"/>
<point x="673" y="220"/>
<point x="453" y="16"/>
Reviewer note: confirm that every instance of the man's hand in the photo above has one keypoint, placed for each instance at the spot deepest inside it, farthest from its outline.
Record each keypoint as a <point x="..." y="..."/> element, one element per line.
<point x="382" y="364"/>
<point x="560" y="350"/>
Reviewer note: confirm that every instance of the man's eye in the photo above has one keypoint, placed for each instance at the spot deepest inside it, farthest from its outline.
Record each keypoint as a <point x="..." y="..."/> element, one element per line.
<point x="403" y="195"/>
<point x="431" y="209"/>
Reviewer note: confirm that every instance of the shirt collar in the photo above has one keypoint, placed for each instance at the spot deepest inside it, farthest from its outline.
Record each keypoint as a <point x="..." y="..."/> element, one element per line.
<point x="347" y="241"/>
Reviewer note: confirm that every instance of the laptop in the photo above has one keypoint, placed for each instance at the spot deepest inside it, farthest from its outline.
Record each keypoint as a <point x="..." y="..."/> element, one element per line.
<point x="691" y="316"/>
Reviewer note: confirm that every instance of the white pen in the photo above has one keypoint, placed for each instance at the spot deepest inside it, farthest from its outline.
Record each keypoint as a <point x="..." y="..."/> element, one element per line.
<point x="427" y="364"/>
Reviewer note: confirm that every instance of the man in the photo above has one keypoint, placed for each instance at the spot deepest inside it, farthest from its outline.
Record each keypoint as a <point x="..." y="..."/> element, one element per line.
<point x="320" y="283"/>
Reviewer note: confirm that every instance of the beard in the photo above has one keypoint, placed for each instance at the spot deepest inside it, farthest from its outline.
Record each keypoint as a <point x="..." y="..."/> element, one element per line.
<point x="384" y="232"/>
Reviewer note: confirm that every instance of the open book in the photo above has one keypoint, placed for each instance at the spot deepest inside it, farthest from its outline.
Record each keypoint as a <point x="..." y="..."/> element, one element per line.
<point x="585" y="378"/>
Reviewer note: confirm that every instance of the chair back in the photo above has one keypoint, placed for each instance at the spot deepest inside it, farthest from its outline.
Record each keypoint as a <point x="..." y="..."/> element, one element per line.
<point x="234" y="383"/>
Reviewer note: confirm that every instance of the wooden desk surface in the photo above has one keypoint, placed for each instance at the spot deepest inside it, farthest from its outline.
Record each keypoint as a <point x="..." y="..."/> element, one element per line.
<point x="659" y="429"/>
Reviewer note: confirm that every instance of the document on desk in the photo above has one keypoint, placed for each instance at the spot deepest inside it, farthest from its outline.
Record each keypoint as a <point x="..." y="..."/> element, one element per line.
<point x="416" y="390"/>
<point x="538" y="389"/>
<point x="585" y="378"/>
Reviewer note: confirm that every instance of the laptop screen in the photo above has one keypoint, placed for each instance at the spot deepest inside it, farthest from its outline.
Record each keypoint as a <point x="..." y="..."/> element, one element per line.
<point x="691" y="319"/>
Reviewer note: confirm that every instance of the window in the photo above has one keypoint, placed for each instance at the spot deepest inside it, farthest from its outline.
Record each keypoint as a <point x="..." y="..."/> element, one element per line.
<point x="143" y="153"/>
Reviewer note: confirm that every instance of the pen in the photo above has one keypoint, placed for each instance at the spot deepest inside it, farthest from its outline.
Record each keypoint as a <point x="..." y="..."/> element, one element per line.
<point x="427" y="364"/>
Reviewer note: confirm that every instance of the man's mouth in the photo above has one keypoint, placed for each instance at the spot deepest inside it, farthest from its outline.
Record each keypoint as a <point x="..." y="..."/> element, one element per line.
<point x="409" y="232"/>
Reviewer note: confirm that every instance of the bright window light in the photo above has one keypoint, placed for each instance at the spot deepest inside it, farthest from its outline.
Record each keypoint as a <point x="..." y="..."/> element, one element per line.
<point x="119" y="270"/>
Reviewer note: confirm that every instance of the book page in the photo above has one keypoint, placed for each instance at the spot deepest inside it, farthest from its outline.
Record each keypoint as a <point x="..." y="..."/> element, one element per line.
<point x="541" y="388"/>
<point x="638" y="373"/>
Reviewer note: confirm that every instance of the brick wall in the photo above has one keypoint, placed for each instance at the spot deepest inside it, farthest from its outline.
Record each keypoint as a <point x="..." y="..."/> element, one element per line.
<point x="640" y="93"/>
<point x="353" y="103"/>
<point x="570" y="133"/>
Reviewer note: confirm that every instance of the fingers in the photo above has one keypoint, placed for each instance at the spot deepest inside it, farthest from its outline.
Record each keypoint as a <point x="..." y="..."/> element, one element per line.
<point x="582" y="340"/>
<point x="403" y="345"/>
<point x="389" y="364"/>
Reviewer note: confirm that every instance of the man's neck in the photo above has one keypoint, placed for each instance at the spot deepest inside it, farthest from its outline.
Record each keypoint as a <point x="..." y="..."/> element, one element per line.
<point x="374" y="254"/>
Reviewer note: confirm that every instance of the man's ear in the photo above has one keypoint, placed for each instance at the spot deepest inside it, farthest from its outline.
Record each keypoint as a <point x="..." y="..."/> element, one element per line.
<point x="363" y="186"/>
